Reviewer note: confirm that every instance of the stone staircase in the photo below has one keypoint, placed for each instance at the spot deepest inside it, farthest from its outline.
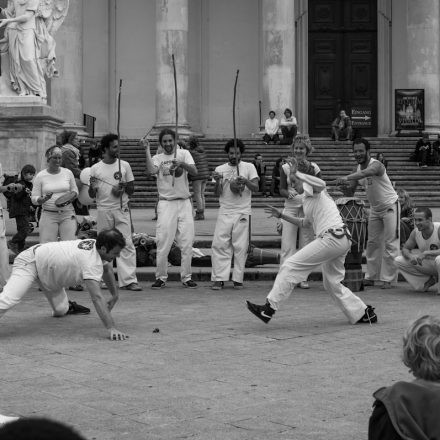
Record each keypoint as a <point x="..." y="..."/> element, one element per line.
<point x="335" y="160"/>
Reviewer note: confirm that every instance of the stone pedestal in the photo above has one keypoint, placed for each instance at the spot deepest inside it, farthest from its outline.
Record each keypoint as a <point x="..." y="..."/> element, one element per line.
<point x="26" y="131"/>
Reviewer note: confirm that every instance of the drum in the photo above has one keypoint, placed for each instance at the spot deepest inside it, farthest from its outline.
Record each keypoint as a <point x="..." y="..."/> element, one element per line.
<point x="65" y="199"/>
<point x="353" y="214"/>
<point x="85" y="176"/>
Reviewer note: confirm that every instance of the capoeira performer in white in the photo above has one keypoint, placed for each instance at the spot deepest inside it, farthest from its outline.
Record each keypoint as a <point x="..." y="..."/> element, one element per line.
<point x="174" y="210"/>
<point x="110" y="188"/>
<point x="231" y="235"/>
<point x="421" y="269"/>
<point x="328" y="250"/>
<point x="4" y="253"/>
<point x="383" y="222"/>
<point x="59" y="264"/>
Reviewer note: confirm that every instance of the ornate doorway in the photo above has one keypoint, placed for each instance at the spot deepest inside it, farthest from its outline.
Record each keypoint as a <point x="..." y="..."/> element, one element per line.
<point x="342" y="64"/>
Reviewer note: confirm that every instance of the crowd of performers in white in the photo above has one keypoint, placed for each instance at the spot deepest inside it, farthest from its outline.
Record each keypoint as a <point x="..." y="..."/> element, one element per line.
<point x="61" y="260"/>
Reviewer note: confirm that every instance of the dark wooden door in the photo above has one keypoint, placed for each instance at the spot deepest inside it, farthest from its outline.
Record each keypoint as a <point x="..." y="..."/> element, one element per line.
<point x="342" y="64"/>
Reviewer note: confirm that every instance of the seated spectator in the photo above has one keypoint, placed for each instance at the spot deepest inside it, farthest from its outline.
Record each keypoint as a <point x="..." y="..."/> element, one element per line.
<point x="409" y="410"/>
<point x="381" y="158"/>
<point x="275" y="184"/>
<point x="422" y="152"/>
<point x="289" y="127"/>
<point x="260" y="166"/>
<point x="421" y="270"/>
<point x="341" y="127"/>
<point x="436" y="151"/>
<point x="271" y="127"/>
<point x="406" y="215"/>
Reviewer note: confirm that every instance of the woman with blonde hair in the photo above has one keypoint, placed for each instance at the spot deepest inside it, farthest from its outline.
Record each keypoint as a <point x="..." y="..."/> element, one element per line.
<point x="410" y="410"/>
<point x="300" y="149"/>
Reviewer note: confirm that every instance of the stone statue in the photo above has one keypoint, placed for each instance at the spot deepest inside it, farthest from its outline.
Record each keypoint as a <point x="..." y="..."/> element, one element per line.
<point x="29" y="44"/>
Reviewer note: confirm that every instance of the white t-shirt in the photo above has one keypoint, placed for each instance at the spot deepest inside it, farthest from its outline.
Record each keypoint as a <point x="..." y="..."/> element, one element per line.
<point x="67" y="263"/>
<point x="322" y="211"/>
<point x="379" y="190"/>
<point x="296" y="200"/>
<point x="109" y="173"/>
<point x="59" y="184"/>
<point x="231" y="203"/>
<point x="165" y="187"/>
<point x="271" y="126"/>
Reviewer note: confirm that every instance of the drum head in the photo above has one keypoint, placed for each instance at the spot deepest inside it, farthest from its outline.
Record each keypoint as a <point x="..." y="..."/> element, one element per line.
<point x="85" y="176"/>
<point x="65" y="199"/>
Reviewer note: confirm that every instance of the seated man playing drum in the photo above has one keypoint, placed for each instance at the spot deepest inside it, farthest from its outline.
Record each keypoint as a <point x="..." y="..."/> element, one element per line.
<point x="328" y="250"/>
<point x="57" y="265"/>
<point x="421" y="269"/>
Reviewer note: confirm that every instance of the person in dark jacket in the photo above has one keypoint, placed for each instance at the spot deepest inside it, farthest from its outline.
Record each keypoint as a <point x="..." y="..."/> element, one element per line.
<point x="409" y="410"/>
<point x="21" y="208"/>
<point x="199" y="180"/>
<point x="95" y="153"/>
<point x="260" y="166"/>
<point x="275" y="184"/>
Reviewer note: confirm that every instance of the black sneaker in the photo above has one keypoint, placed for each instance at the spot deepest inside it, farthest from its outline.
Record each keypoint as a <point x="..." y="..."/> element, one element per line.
<point x="265" y="312"/>
<point x="190" y="284"/>
<point x="78" y="288"/>
<point x="158" y="284"/>
<point x="369" y="316"/>
<point x="77" y="309"/>
<point x="237" y="285"/>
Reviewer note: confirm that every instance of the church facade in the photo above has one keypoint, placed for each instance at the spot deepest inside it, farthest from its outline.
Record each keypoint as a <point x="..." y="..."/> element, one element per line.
<point x="315" y="57"/>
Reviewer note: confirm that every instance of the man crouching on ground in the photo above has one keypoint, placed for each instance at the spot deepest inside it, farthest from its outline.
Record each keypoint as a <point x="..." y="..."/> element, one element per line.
<point x="66" y="263"/>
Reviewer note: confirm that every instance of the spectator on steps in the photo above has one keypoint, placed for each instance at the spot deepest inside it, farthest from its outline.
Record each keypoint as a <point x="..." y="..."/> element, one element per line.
<point x="422" y="151"/>
<point x="271" y="128"/>
<point x="341" y="127"/>
<point x="95" y="153"/>
<point x="436" y="151"/>
<point x="381" y="158"/>
<point x="275" y="183"/>
<point x="260" y="166"/>
<point x="406" y="215"/>
<point x="289" y="127"/>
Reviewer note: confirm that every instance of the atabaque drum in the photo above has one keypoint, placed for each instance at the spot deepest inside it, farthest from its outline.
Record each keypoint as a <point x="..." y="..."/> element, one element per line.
<point x="354" y="215"/>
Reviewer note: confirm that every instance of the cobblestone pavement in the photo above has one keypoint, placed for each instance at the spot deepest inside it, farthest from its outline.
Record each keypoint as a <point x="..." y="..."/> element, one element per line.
<point x="213" y="371"/>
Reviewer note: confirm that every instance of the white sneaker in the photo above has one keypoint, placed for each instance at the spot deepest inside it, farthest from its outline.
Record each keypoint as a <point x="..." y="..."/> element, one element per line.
<point x="7" y="419"/>
<point x="304" y="285"/>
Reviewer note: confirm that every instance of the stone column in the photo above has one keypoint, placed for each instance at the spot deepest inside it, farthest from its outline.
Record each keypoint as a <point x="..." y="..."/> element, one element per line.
<point x="66" y="91"/>
<point x="423" y="55"/>
<point x="171" y="38"/>
<point x="278" y="21"/>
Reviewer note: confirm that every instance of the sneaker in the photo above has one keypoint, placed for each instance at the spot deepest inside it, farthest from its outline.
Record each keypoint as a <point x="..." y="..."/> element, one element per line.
<point x="77" y="309"/>
<point x="386" y="285"/>
<point x="103" y="285"/>
<point x="304" y="285"/>
<point x="431" y="281"/>
<point x="132" y="286"/>
<point x="368" y="283"/>
<point x="217" y="285"/>
<point x="190" y="284"/>
<point x="265" y="313"/>
<point x="158" y="284"/>
<point x="78" y="288"/>
<point x="369" y="316"/>
<point x="237" y="285"/>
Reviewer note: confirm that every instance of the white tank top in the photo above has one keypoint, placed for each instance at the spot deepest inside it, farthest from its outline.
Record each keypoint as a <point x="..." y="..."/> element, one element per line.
<point x="322" y="211"/>
<point x="433" y="240"/>
<point x="379" y="189"/>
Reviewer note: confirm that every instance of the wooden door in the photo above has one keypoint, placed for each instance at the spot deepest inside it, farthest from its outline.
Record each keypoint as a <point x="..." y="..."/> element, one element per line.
<point x="342" y="64"/>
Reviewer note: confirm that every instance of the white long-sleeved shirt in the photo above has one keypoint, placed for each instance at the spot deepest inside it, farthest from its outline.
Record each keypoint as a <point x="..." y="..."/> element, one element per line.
<point x="271" y="126"/>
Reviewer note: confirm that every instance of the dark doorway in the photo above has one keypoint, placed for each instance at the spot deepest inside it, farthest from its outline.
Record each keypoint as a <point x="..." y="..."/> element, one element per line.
<point x="342" y="64"/>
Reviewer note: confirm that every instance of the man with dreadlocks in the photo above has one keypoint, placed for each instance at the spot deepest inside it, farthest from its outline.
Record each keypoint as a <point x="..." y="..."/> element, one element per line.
<point x="328" y="250"/>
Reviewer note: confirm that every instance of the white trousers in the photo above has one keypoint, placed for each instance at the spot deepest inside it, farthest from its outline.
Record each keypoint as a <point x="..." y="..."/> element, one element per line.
<point x="4" y="254"/>
<point x="231" y="238"/>
<point x="383" y="244"/>
<point x="126" y="264"/>
<point x="289" y="236"/>
<point x="61" y="224"/>
<point x="329" y="252"/>
<point x="417" y="275"/>
<point x="24" y="275"/>
<point x="174" y="221"/>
